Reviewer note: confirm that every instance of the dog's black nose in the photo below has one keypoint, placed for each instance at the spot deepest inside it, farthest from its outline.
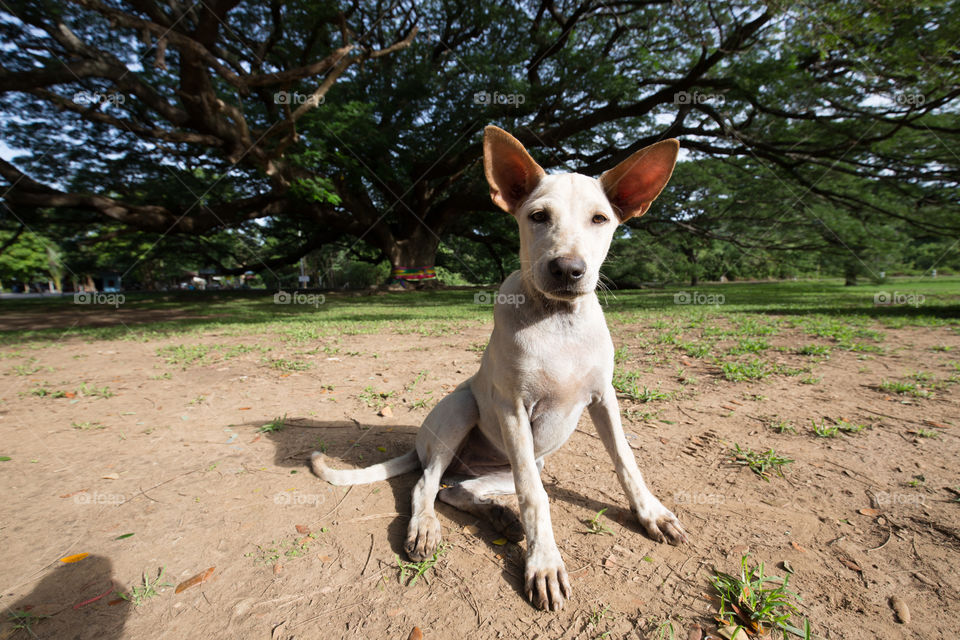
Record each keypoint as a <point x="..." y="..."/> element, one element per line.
<point x="567" y="268"/>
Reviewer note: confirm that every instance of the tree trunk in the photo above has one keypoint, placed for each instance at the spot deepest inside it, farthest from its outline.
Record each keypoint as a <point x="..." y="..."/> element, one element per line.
<point x="412" y="259"/>
<point x="850" y="274"/>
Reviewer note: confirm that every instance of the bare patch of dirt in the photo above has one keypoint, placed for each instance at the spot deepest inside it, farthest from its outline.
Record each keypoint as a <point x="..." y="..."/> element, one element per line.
<point x="108" y="438"/>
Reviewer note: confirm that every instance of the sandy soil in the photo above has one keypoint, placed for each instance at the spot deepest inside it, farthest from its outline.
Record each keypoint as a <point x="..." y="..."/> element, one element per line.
<point x="175" y="456"/>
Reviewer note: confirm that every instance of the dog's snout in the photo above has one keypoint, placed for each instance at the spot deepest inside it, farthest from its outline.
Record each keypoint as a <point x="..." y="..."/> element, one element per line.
<point x="568" y="268"/>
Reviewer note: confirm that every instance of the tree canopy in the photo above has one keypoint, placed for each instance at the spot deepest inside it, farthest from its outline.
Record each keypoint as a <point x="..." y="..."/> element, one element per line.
<point x="819" y="136"/>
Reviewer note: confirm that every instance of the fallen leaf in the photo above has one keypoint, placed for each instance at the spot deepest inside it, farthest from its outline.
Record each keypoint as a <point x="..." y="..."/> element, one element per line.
<point x="935" y="424"/>
<point x="111" y="476"/>
<point x="850" y="564"/>
<point x="195" y="580"/>
<point x="69" y="394"/>
<point x="500" y="541"/>
<point x="797" y="547"/>
<point x="694" y="632"/>
<point x="325" y="558"/>
<point x="869" y="512"/>
<point x="386" y="412"/>
<point x="382" y="449"/>
<point x="244" y="409"/>
<point x="73" y="493"/>
<point x="277" y="568"/>
<point x="303" y="529"/>
<point x="114" y="602"/>
<point x="94" y="599"/>
<point x="415" y="634"/>
<point x="901" y="609"/>
<point x="472" y="529"/>
<point x="254" y="440"/>
<point x="124" y="536"/>
<point x="5" y="458"/>
<point x="74" y="558"/>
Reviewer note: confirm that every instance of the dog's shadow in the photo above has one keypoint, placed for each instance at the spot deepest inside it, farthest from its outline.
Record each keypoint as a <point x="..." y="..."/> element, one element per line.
<point x="350" y="444"/>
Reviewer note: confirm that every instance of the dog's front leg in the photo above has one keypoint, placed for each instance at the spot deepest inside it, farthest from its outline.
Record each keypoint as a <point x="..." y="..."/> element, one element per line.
<point x="546" y="581"/>
<point x="658" y="521"/>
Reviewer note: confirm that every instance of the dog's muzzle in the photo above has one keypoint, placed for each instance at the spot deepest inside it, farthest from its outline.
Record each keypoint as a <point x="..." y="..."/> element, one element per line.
<point x="566" y="276"/>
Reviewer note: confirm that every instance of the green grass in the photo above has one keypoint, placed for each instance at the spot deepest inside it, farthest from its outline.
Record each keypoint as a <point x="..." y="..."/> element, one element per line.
<point x="782" y="426"/>
<point x="146" y="590"/>
<point x="761" y="463"/>
<point x="596" y="527"/>
<point x="628" y="386"/>
<point x="757" y="603"/>
<point x="823" y="429"/>
<point x="825" y="308"/>
<point x="755" y="369"/>
<point x="417" y="569"/>
<point x="277" y="424"/>
<point x="24" y="620"/>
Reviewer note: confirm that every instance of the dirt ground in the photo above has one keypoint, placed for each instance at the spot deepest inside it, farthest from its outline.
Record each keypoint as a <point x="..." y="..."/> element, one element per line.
<point x="189" y="458"/>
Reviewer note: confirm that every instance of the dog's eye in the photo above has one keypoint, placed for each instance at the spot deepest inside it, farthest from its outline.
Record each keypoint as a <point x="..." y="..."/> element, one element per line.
<point x="599" y="218"/>
<point x="539" y="216"/>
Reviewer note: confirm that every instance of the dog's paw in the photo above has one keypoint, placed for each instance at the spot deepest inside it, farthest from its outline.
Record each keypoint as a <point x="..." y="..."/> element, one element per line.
<point x="423" y="537"/>
<point x="505" y="520"/>
<point x="661" y="525"/>
<point x="546" y="581"/>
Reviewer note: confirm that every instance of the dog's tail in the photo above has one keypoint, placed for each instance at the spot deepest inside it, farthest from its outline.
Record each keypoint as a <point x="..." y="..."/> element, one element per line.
<point x="344" y="477"/>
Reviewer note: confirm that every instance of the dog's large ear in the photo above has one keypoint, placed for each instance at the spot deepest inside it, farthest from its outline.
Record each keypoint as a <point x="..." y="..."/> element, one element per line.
<point x="635" y="183"/>
<point x="511" y="173"/>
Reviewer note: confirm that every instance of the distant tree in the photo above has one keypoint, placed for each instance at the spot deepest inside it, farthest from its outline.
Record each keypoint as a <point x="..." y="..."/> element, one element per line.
<point x="183" y="117"/>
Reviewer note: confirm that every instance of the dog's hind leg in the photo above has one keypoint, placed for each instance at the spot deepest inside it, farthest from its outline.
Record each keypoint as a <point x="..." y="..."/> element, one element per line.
<point x="438" y="442"/>
<point x="490" y="497"/>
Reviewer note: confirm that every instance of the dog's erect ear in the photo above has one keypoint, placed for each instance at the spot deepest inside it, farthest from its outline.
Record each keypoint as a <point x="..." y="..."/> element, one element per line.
<point x="635" y="183"/>
<point x="511" y="173"/>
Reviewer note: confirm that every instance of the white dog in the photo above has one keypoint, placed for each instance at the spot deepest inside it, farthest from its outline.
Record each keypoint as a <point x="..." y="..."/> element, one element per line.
<point x="548" y="359"/>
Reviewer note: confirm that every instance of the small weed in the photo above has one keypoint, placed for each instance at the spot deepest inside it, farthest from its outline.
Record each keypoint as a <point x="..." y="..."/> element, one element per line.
<point x="197" y="401"/>
<point x="25" y="369"/>
<point x="696" y="349"/>
<point x="277" y="424"/>
<point x="375" y="399"/>
<point x="942" y="347"/>
<point x="756" y="369"/>
<point x="621" y="354"/>
<point x="810" y="380"/>
<point x="665" y="631"/>
<point x="87" y="426"/>
<point x="597" y="615"/>
<point x="94" y="392"/>
<point x="928" y="433"/>
<point x="824" y="430"/>
<point x="916" y="481"/>
<point x="288" y="366"/>
<point x="419" y="568"/>
<point x="420" y="378"/>
<point x="755" y="602"/>
<point x="782" y="426"/>
<point x="166" y="375"/>
<point x="139" y="595"/>
<point x="749" y="345"/>
<point x="321" y="446"/>
<point x="814" y="350"/>
<point x="596" y="527"/>
<point x="850" y="427"/>
<point x="904" y="388"/>
<point x="24" y="619"/>
<point x="760" y="463"/>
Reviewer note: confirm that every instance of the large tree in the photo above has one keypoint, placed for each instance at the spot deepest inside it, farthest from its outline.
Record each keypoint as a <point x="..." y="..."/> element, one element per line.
<point x="803" y="92"/>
